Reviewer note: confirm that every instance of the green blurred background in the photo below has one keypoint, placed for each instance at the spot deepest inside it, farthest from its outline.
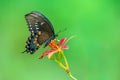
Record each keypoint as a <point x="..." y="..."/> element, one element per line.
<point x="94" y="53"/>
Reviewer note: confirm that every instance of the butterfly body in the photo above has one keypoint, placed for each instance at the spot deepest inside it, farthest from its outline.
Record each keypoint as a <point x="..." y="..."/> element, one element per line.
<point x="41" y="29"/>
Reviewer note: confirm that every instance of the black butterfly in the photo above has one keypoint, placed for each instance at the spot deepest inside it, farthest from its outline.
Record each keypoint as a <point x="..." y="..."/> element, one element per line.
<point x="41" y="29"/>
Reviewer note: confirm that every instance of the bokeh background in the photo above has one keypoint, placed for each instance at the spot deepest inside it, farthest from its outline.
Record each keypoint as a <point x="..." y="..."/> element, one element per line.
<point x="94" y="53"/>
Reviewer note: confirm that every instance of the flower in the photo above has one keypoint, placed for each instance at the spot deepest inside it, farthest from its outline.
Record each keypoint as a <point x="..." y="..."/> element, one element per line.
<point x="55" y="48"/>
<point x="58" y="48"/>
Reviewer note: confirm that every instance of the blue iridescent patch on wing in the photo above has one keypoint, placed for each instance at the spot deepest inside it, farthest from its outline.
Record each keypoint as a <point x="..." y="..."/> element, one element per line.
<point x="32" y="44"/>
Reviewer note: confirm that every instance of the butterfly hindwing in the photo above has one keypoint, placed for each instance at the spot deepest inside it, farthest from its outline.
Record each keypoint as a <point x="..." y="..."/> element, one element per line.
<point x="32" y="44"/>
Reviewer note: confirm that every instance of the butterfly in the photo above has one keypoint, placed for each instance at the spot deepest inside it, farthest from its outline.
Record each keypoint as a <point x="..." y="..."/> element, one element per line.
<point x="41" y="29"/>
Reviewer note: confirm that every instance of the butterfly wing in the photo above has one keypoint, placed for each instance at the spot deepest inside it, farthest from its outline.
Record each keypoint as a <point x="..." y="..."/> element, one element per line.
<point x="37" y="21"/>
<point x="32" y="45"/>
<point x="41" y="31"/>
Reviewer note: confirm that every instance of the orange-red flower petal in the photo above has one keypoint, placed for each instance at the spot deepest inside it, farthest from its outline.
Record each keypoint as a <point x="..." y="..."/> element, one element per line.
<point x="62" y="41"/>
<point x="48" y="53"/>
<point x="65" y="47"/>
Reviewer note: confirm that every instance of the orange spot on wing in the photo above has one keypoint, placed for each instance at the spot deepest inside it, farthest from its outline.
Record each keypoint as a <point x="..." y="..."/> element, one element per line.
<point x="34" y="42"/>
<point x="35" y="39"/>
<point x="37" y="45"/>
<point x="39" y="33"/>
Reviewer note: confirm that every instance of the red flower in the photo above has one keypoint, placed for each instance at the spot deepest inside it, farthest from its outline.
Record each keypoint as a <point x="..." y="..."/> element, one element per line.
<point x="55" y="48"/>
<point x="58" y="48"/>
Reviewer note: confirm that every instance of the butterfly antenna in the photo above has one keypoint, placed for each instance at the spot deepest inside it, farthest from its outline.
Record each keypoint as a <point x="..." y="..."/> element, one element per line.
<point x="62" y="30"/>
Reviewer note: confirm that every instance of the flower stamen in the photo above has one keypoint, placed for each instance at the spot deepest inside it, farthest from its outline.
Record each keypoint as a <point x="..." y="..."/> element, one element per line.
<point x="53" y="45"/>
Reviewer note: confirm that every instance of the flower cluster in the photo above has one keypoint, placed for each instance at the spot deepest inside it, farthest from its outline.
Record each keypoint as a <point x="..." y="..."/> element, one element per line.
<point x="57" y="48"/>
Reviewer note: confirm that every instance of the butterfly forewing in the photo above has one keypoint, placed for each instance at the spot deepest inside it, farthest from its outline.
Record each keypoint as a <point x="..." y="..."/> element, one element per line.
<point x="37" y="21"/>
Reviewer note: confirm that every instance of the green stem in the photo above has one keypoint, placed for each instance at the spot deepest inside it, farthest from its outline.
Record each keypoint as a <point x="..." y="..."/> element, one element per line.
<point x="71" y="76"/>
<point x="66" y="66"/>
<point x="66" y="62"/>
<point x="60" y="64"/>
